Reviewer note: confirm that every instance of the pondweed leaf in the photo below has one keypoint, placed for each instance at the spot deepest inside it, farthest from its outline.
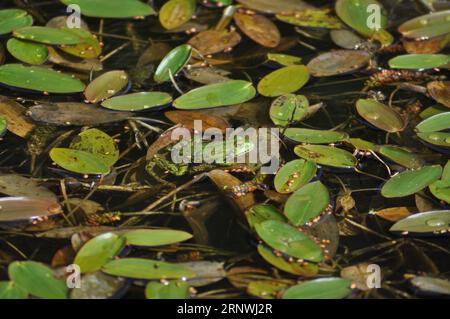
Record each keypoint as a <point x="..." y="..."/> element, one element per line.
<point x="28" y="52"/>
<point x="312" y="18"/>
<point x="266" y="289"/>
<point x="138" y="101"/>
<point x="80" y="162"/>
<point x="294" y="175"/>
<point x="39" y="79"/>
<point x="138" y="268"/>
<point x="175" y="13"/>
<point x="289" y="108"/>
<point x="155" y="237"/>
<point x="441" y="139"/>
<point x="307" y="203"/>
<point x="284" y="59"/>
<point x="262" y="212"/>
<point x="338" y="62"/>
<point x="435" y="123"/>
<point x="310" y="136"/>
<point x="419" y="61"/>
<point x="3" y="125"/>
<point x="326" y="155"/>
<point x="173" y="63"/>
<point x="289" y="240"/>
<point x="427" y="26"/>
<point x="88" y="48"/>
<point x="170" y="290"/>
<point x="10" y="290"/>
<point x="215" y="95"/>
<point x="280" y="6"/>
<point x="286" y="80"/>
<point x="380" y="115"/>
<point x="440" y="91"/>
<point x="258" y="28"/>
<point x="323" y="288"/>
<point x="98" y="251"/>
<point x="47" y="35"/>
<point x="411" y="181"/>
<point x="401" y="156"/>
<point x="12" y="19"/>
<point x="37" y="279"/>
<point x="441" y="190"/>
<point x="106" y="85"/>
<point x="214" y="41"/>
<point x="429" y="222"/>
<point x="112" y="8"/>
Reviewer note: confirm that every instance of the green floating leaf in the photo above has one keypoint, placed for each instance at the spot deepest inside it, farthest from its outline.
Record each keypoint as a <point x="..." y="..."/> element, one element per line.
<point x="28" y="52"/>
<point x="283" y="81"/>
<point x="432" y="110"/>
<point x="419" y="61"/>
<point x="262" y="212"/>
<point x="99" y="251"/>
<point x="106" y="85"/>
<point x="173" y="63"/>
<point x="446" y="172"/>
<point x="411" y="182"/>
<point x="312" y="18"/>
<point x="441" y="190"/>
<point x="39" y="79"/>
<point x="401" y="156"/>
<point x="435" y="123"/>
<point x="361" y="145"/>
<point x="97" y="143"/>
<point x="380" y="115"/>
<point x="284" y="59"/>
<point x="88" y="48"/>
<point x="428" y="222"/>
<point x="324" y="288"/>
<point x="112" y="8"/>
<point x="307" y="203"/>
<point x="12" y="19"/>
<point x="215" y="95"/>
<point x="3" y="125"/>
<point x="145" y="269"/>
<point x="10" y="290"/>
<point x="427" y="26"/>
<point x="170" y="290"/>
<point x="137" y="101"/>
<point x="155" y="237"/>
<point x="266" y="289"/>
<point x="436" y="138"/>
<point x="304" y="135"/>
<point x="289" y="108"/>
<point x="78" y="161"/>
<point x="294" y="175"/>
<point x="46" y="35"/>
<point x="289" y="240"/>
<point x="356" y="14"/>
<point x="37" y="279"/>
<point x="304" y="269"/>
<point x="175" y="13"/>
<point x="326" y="155"/>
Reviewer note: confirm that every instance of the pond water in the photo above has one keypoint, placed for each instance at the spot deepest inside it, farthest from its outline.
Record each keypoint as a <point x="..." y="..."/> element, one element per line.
<point x="240" y="247"/>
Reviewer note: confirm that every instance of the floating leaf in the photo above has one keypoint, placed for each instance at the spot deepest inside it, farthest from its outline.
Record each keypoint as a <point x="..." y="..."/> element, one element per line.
<point x="312" y="18"/>
<point x="24" y="210"/>
<point x="304" y="269"/>
<point x="173" y="63"/>
<point x="214" y="41"/>
<point x="106" y="85"/>
<point x="304" y="135"/>
<point x="279" y="6"/>
<point x="97" y="285"/>
<point x="346" y="39"/>
<point x="88" y="48"/>
<point x="78" y="161"/>
<point x="394" y="214"/>
<point x="294" y="175"/>
<point x="289" y="240"/>
<point x="47" y="35"/>
<point x="97" y="143"/>
<point x="323" y="288"/>
<point x="361" y="145"/>
<point x="169" y="290"/>
<point x="428" y="222"/>
<point x="99" y="251"/>
<point x="155" y="237"/>
<point x="60" y="58"/>
<point x="338" y="62"/>
<point x="307" y="203"/>
<point x="175" y="13"/>
<point x="429" y="285"/>
<point x="438" y="122"/>
<point x="262" y="212"/>
<point x="380" y="115"/>
<point x="258" y="28"/>
<point x="284" y="59"/>
<point x="440" y="91"/>
<point x="69" y="113"/>
<point x="37" y="279"/>
<point x="266" y="289"/>
<point x="137" y="101"/>
<point x="401" y="156"/>
<point x="39" y="79"/>
<point x="411" y="182"/>
<point x="215" y="95"/>
<point x="28" y="52"/>
<point x="356" y="14"/>
<point x="427" y="26"/>
<point x="441" y="190"/>
<point x="207" y="75"/>
<point x="436" y="138"/>
<point x="188" y="118"/>
<point x="283" y="81"/>
<point x="289" y="108"/>
<point x="326" y="155"/>
<point x="145" y="269"/>
<point x="10" y="290"/>
<point x="3" y="125"/>
<point x="12" y="19"/>
<point x="419" y="61"/>
<point x="112" y="8"/>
